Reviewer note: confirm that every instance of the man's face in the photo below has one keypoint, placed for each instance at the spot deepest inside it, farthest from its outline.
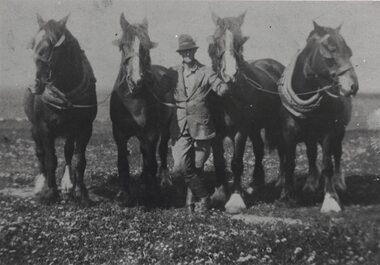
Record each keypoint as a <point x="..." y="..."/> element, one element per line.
<point x="188" y="55"/>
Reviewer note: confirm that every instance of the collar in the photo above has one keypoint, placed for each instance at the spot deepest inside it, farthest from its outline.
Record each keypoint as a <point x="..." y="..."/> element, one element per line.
<point x="192" y="70"/>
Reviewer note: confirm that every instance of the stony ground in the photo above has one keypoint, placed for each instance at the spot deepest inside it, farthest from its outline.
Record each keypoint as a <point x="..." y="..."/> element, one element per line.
<point x="106" y="233"/>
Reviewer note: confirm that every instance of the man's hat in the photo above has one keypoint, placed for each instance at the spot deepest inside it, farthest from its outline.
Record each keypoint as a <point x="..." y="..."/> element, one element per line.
<point x="186" y="42"/>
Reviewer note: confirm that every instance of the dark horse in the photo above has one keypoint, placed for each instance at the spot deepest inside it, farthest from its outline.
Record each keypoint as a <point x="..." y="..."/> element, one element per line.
<point x="253" y="105"/>
<point x="62" y="103"/>
<point x="137" y="110"/>
<point x="315" y="91"/>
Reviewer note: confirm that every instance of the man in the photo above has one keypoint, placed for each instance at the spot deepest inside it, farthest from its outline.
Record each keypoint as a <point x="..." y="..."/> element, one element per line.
<point x="192" y="129"/>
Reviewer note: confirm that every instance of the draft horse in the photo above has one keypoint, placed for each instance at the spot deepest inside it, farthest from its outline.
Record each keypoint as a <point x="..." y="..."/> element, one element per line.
<point x="137" y="109"/>
<point x="253" y="105"/>
<point x="61" y="103"/>
<point x="316" y="90"/>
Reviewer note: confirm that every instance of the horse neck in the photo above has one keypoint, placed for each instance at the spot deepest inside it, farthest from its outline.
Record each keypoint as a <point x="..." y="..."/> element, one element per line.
<point x="69" y="70"/>
<point x="245" y="72"/>
<point x="300" y="82"/>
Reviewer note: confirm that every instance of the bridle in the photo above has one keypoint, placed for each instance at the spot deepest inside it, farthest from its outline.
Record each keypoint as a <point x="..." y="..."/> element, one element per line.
<point x="48" y="83"/>
<point x="220" y="67"/>
<point x="126" y="77"/>
<point x="331" y="77"/>
<point x="48" y="63"/>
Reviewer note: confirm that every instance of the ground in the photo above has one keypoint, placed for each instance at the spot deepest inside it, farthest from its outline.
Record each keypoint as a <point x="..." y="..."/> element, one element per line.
<point x="106" y="233"/>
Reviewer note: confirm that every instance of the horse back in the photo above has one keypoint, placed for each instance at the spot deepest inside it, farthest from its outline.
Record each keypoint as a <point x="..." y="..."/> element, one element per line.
<point x="268" y="71"/>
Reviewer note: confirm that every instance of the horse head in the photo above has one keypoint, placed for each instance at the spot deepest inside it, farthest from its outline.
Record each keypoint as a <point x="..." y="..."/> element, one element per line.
<point x="226" y="46"/>
<point x="47" y="46"/>
<point x="134" y="45"/>
<point x="329" y="61"/>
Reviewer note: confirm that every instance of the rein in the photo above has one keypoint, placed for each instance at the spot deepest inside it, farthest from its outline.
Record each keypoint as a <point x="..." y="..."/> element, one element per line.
<point x="61" y="95"/>
<point x="151" y="90"/>
<point x="260" y="88"/>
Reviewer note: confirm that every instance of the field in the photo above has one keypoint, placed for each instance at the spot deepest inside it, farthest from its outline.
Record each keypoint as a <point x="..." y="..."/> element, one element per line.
<point x="106" y="233"/>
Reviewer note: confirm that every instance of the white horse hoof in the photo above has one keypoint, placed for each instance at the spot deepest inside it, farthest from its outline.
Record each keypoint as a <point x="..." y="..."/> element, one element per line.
<point x="39" y="183"/>
<point x="66" y="184"/>
<point x="235" y="205"/>
<point x="330" y="204"/>
<point x="219" y="195"/>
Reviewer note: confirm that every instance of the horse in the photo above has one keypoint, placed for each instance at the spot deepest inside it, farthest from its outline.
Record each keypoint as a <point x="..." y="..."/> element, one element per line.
<point x="253" y="105"/>
<point x="137" y="108"/>
<point x="62" y="103"/>
<point x="316" y="90"/>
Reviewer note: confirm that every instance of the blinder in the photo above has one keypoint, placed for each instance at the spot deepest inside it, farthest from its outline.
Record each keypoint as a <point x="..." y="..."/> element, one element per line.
<point x="47" y="61"/>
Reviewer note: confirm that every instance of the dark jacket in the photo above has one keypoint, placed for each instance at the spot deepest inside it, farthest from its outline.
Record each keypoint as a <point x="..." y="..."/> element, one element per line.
<point x="193" y="109"/>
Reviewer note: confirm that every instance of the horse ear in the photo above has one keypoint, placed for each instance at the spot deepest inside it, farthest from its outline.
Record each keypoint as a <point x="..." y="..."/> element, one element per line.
<point x="63" y="21"/>
<point x="244" y="40"/>
<point x="40" y="21"/>
<point x="215" y="18"/>
<point x="241" y="18"/>
<point x="320" y="30"/>
<point x="145" y="23"/>
<point x="153" y="44"/>
<point x="123" y="22"/>
<point x="339" y="28"/>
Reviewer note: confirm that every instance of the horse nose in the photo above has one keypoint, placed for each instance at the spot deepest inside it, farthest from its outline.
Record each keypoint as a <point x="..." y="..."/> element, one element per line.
<point x="354" y="89"/>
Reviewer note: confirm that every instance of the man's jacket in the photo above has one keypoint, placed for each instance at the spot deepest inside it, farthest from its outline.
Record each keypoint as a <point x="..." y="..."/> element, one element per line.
<point x="193" y="107"/>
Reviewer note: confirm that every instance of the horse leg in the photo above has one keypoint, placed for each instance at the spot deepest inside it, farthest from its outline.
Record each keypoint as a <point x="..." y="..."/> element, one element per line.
<point x="258" y="150"/>
<point x="148" y="149"/>
<point x="79" y="164"/>
<point x="163" y="171"/>
<point x="67" y="182"/>
<point x="190" y="201"/>
<point x="331" y="199"/>
<point x="339" y="178"/>
<point x="287" y="191"/>
<point x="312" y="181"/>
<point x="221" y="186"/>
<point x="281" y="157"/>
<point x="40" y="179"/>
<point x="124" y="195"/>
<point x="236" y="204"/>
<point x="50" y="194"/>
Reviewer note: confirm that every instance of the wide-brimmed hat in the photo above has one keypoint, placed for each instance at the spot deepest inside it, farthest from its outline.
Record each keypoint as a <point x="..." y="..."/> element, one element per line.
<point x="186" y="42"/>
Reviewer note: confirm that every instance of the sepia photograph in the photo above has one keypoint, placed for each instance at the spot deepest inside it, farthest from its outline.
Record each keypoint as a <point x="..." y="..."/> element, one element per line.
<point x="189" y="132"/>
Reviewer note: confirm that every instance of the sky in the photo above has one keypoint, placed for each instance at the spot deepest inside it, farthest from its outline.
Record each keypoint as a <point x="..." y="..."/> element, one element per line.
<point x="276" y="30"/>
